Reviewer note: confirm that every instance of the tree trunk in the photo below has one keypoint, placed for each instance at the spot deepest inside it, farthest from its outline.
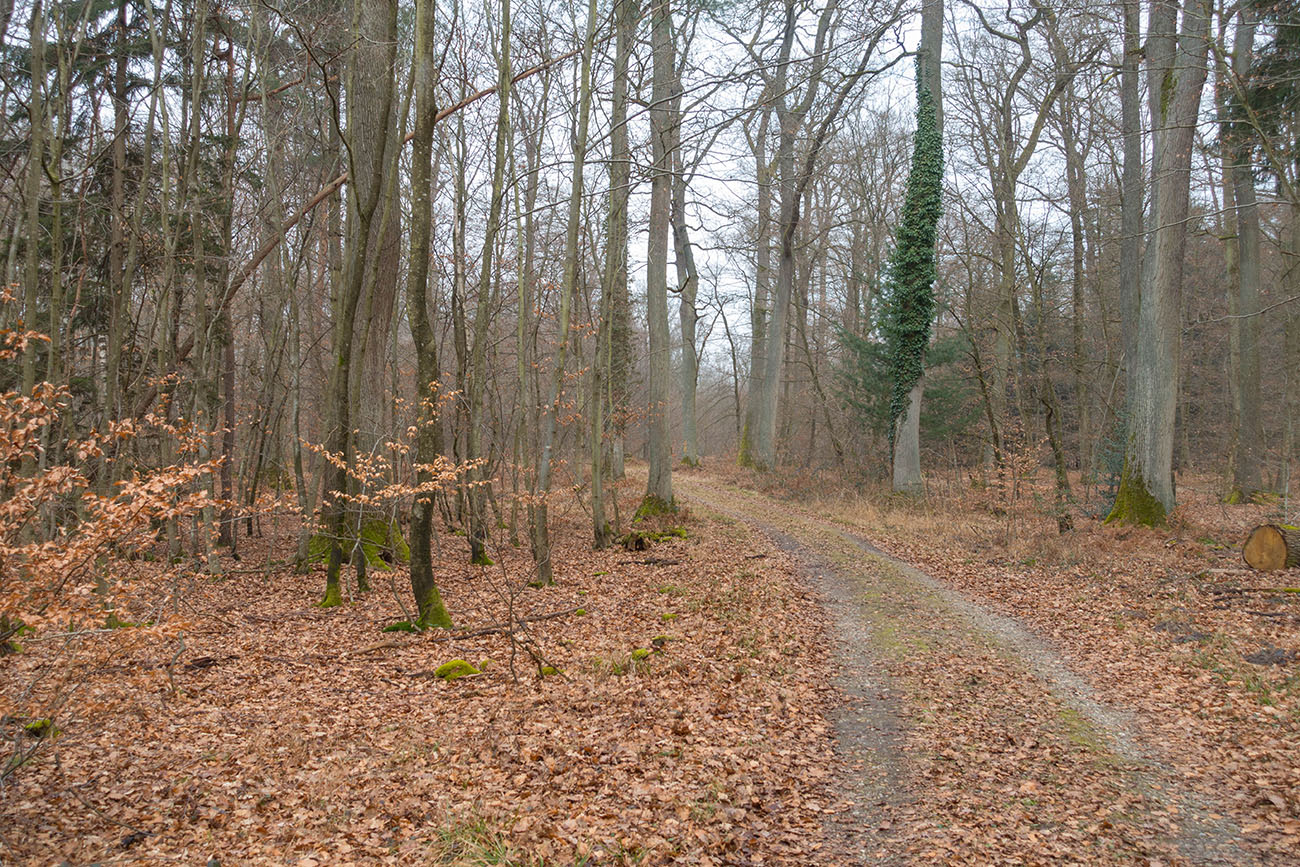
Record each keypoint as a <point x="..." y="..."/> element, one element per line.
<point x="1247" y="468"/>
<point x="659" y="487"/>
<point x="1176" y="69"/>
<point x="688" y="281"/>
<point x="1076" y="192"/>
<point x="615" y="282"/>
<point x="766" y="397"/>
<point x="32" y="194"/>
<point x="541" y="531"/>
<point x="906" y="469"/>
<point x="477" y="478"/>
<point x="430" y="611"/>
<point x="117" y="227"/>
<point x="1131" y="195"/>
<point x="370" y="102"/>
<point x="762" y="287"/>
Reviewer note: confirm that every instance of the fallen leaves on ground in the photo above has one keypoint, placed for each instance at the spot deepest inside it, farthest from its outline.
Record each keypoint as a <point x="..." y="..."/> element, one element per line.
<point x="286" y="733"/>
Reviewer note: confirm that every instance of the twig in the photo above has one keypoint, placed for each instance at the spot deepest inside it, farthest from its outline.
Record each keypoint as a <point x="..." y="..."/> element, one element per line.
<point x="509" y="625"/>
<point x="378" y="645"/>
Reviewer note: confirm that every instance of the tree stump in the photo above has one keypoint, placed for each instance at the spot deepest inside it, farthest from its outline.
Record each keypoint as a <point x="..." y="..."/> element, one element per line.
<point x="1272" y="546"/>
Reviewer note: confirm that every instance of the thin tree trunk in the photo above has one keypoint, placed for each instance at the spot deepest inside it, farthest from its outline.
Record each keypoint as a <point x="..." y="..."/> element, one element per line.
<point x="32" y="192"/>
<point x="430" y="611"/>
<point x="476" y="477"/>
<point x="762" y="287"/>
<point x="1131" y="195"/>
<point x="688" y="281"/>
<point x="1076" y="193"/>
<point x="541" y="532"/>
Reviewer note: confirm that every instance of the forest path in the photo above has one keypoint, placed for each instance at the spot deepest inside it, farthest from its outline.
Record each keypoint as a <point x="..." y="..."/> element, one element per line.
<point x="961" y="731"/>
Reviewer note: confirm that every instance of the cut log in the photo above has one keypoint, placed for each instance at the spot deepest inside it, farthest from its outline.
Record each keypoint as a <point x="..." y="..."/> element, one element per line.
<point x="1272" y="546"/>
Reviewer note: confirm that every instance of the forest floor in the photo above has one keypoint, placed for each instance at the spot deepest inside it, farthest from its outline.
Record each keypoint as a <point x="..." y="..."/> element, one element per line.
<point x="832" y="679"/>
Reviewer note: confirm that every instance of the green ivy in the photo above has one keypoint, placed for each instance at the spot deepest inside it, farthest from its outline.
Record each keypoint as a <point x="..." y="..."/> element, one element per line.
<point x="910" y="272"/>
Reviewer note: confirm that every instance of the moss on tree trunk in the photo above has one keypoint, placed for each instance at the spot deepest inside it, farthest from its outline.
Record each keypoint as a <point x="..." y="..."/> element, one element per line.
<point x="653" y="505"/>
<point x="1134" y="503"/>
<point x="333" y="592"/>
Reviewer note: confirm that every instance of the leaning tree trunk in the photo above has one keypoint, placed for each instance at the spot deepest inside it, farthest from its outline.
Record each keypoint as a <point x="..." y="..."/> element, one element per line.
<point x="1272" y="546"/>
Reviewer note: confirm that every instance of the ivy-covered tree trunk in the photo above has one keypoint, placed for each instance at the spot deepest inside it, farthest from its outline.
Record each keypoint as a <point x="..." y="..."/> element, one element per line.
<point x="909" y="290"/>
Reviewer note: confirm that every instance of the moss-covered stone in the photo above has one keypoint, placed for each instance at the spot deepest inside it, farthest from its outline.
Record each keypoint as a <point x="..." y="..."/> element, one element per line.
<point x="41" y="728"/>
<point x="641" y="540"/>
<point x="1134" y="503"/>
<point x="401" y="626"/>
<point x="549" y="671"/>
<point x="581" y="612"/>
<point x="667" y="617"/>
<point x="640" y="653"/>
<point x="455" y="669"/>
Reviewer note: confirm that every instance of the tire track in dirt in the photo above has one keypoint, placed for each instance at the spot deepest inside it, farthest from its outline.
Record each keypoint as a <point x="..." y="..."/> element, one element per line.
<point x="868" y="733"/>
<point x="873" y="737"/>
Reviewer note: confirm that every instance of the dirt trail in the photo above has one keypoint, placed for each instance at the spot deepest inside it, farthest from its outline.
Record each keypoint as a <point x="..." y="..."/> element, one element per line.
<point x="964" y="730"/>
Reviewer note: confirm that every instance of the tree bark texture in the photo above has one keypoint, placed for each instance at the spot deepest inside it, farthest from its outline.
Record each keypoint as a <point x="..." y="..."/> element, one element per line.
<point x="659" y="486"/>
<point x="1176" y="73"/>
